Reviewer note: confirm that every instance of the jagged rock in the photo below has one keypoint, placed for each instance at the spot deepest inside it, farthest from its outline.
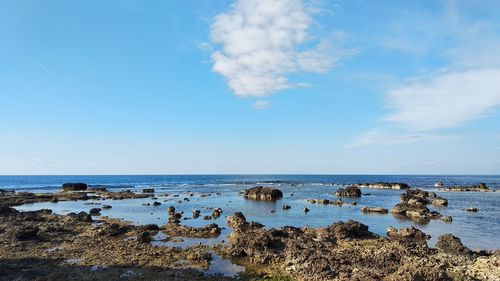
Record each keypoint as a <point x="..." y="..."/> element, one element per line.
<point x="407" y="234"/>
<point x="263" y="193"/>
<point x="450" y="244"/>
<point x="350" y="191"/>
<point x="208" y="231"/>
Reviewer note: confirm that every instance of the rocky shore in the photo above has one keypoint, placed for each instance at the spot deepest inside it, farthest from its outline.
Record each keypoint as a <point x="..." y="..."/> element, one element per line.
<point x="41" y="245"/>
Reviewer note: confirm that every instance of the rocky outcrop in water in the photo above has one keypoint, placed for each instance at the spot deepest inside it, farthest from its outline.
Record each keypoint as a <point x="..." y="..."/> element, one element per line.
<point x="74" y="186"/>
<point x="350" y="191"/>
<point x="337" y="202"/>
<point x="482" y="187"/>
<point x="263" y="193"/>
<point x="348" y="251"/>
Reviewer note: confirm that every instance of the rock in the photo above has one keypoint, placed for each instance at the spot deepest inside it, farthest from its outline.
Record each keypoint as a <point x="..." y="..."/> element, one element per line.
<point x="176" y="230"/>
<point x="472" y="210"/>
<point x="196" y="214"/>
<point x="439" y="184"/>
<point x="81" y="216"/>
<point x="447" y="218"/>
<point x="175" y="218"/>
<point x="350" y="229"/>
<point x="263" y="193"/>
<point x="74" y="187"/>
<point x="306" y="210"/>
<point x="143" y="237"/>
<point x="95" y="212"/>
<point x="106" y="206"/>
<point x="23" y="232"/>
<point x="216" y="213"/>
<point x="337" y="202"/>
<point x="482" y="187"/>
<point x="374" y="210"/>
<point x="148" y="190"/>
<point x="418" y="213"/>
<point x="450" y="244"/>
<point x="97" y="189"/>
<point x="156" y="203"/>
<point x="286" y="207"/>
<point x="439" y="201"/>
<point x="350" y="191"/>
<point x="407" y="234"/>
<point x="207" y="218"/>
<point x="171" y="210"/>
<point x="113" y="229"/>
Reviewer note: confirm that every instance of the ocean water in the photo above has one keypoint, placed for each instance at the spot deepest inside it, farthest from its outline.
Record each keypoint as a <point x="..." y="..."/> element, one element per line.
<point x="476" y="230"/>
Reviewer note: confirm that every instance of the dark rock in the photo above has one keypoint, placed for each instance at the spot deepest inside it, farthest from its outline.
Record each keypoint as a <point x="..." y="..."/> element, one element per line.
<point x="350" y="191"/>
<point x="216" y="213"/>
<point x="148" y="190"/>
<point x="106" y="206"/>
<point x="171" y="210"/>
<point x="74" y="186"/>
<point x="306" y="210"/>
<point x="263" y="193"/>
<point x="472" y="210"/>
<point x="196" y="214"/>
<point x="156" y="203"/>
<point x="143" y="237"/>
<point x="286" y="207"/>
<point x="95" y="212"/>
<point x="450" y="244"/>
<point x="23" y="232"/>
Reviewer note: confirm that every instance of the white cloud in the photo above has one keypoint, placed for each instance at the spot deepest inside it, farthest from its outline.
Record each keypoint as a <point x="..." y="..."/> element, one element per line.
<point x="258" y="43"/>
<point x="445" y="100"/>
<point x="261" y="105"/>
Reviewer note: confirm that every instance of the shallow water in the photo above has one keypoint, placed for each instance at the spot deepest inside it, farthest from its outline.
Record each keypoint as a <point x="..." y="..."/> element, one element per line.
<point x="476" y="230"/>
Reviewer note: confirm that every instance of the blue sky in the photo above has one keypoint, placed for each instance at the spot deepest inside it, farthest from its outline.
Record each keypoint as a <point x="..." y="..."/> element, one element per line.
<point x="285" y="86"/>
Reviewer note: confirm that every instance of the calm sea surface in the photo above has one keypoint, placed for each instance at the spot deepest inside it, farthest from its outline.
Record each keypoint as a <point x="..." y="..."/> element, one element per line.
<point x="476" y="230"/>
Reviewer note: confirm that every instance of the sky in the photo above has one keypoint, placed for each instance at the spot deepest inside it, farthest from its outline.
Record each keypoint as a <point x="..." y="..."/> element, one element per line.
<point x="249" y="86"/>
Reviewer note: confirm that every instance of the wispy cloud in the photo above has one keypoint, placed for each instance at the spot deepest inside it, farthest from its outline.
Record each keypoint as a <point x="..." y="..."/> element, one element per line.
<point x="258" y="43"/>
<point x="261" y="105"/>
<point x="446" y="99"/>
<point x="39" y="64"/>
<point x="382" y="137"/>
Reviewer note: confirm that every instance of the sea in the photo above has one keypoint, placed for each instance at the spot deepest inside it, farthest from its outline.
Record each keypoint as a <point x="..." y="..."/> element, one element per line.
<point x="476" y="230"/>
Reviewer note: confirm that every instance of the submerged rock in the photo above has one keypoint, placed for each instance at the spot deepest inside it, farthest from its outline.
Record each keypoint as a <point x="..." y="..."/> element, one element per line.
<point x="482" y="187"/>
<point x="148" y="190"/>
<point x="374" y="210"/>
<point x="472" y="210"/>
<point x="286" y="207"/>
<point x="263" y="193"/>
